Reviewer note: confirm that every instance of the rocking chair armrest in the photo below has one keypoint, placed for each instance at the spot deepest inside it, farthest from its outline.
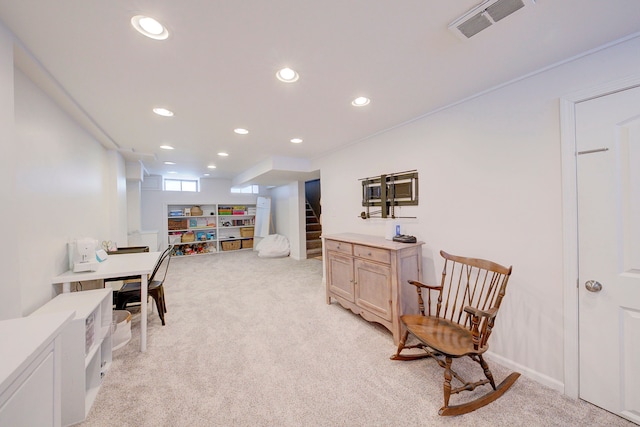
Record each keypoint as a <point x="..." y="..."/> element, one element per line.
<point x="422" y="285"/>
<point x="491" y="313"/>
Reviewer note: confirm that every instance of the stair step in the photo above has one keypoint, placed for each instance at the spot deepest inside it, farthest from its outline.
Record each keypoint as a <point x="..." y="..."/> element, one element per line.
<point x="314" y="252"/>
<point x="313" y="235"/>
<point x="313" y="244"/>
<point x="314" y="227"/>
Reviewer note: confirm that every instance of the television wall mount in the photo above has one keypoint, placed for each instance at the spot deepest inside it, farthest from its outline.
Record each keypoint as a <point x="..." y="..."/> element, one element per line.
<point x="388" y="191"/>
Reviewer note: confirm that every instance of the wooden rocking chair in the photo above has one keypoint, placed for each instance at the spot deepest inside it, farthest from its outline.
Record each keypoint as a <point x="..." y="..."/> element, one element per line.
<point x="469" y="297"/>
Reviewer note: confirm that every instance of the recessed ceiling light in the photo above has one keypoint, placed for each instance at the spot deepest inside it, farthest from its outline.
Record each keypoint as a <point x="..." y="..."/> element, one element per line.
<point x="206" y="174"/>
<point x="360" y="101"/>
<point x="169" y="163"/>
<point x="149" y="27"/>
<point x="163" y="112"/>
<point x="223" y="154"/>
<point x="287" y="75"/>
<point x="172" y="172"/>
<point x="241" y="131"/>
<point x="166" y="147"/>
<point x="296" y="140"/>
<point x="211" y="166"/>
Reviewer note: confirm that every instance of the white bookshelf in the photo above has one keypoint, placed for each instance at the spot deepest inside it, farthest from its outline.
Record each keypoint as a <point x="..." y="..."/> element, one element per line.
<point x="86" y="348"/>
<point x="218" y="228"/>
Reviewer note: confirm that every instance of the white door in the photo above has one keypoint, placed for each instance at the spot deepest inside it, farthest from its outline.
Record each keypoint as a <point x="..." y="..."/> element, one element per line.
<point x="608" y="176"/>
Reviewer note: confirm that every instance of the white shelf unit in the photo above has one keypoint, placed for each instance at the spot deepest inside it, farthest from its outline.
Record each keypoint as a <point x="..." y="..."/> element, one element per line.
<point x="30" y="372"/>
<point x="181" y="224"/>
<point x="220" y="227"/>
<point x="86" y="348"/>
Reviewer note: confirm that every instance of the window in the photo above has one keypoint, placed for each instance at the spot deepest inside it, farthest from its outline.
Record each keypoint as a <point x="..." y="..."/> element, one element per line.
<point x="249" y="189"/>
<point x="180" y="185"/>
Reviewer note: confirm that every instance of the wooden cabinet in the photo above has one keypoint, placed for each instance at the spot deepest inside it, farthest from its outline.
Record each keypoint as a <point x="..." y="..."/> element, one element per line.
<point x="86" y="348"/>
<point x="368" y="275"/>
<point x="30" y="379"/>
<point x="210" y="228"/>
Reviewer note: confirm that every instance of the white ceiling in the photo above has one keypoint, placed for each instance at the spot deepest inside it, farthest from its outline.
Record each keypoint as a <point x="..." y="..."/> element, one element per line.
<point x="217" y="69"/>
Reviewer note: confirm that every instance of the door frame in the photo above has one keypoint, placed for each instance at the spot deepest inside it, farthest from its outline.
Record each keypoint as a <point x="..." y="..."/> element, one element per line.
<point x="570" y="222"/>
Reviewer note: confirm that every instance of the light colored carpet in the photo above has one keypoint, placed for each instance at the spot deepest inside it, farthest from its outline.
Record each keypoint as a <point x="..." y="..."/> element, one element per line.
<point x="251" y="341"/>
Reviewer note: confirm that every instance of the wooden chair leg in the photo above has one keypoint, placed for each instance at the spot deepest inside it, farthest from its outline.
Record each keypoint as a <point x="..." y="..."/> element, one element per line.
<point x="402" y="345"/>
<point x="487" y="371"/>
<point x="403" y="340"/>
<point x="447" y="382"/>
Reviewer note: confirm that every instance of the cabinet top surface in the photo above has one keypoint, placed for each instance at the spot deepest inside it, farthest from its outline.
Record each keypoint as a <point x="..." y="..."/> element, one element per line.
<point x="83" y="302"/>
<point x="369" y="240"/>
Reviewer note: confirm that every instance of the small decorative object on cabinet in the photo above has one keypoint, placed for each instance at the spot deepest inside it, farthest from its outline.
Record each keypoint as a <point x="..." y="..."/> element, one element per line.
<point x="86" y="348"/>
<point x="204" y="229"/>
<point x="369" y="274"/>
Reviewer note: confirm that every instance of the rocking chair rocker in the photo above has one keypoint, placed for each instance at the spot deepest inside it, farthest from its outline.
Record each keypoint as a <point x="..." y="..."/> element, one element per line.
<point x="469" y="297"/>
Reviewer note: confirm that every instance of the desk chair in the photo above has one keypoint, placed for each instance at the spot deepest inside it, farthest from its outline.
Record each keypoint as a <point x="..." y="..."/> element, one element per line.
<point x="130" y="291"/>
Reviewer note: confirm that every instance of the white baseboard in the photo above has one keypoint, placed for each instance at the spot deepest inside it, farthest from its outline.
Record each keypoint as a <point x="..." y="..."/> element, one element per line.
<point x="529" y="373"/>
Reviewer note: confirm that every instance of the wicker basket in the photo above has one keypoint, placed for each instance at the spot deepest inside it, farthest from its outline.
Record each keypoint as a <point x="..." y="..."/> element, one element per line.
<point x="196" y="211"/>
<point x="231" y="245"/>
<point x="189" y="236"/>
<point x="177" y="224"/>
<point x="247" y="244"/>
<point x="246" y="232"/>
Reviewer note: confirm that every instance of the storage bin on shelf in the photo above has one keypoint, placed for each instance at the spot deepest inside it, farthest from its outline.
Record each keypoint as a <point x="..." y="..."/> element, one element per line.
<point x="246" y="232"/>
<point x="177" y="223"/>
<point x="247" y="244"/>
<point x="231" y="245"/>
<point x="189" y="236"/>
<point x="196" y="211"/>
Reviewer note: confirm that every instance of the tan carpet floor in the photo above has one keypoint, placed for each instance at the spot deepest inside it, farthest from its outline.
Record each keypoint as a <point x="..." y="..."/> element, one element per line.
<point x="252" y="342"/>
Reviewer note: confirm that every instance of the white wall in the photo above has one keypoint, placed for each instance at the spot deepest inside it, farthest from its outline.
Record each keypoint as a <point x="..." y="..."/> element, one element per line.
<point x="58" y="184"/>
<point x="9" y="291"/>
<point x="490" y="187"/>
<point x="117" y="185"/>
<point x="287" y="203"/>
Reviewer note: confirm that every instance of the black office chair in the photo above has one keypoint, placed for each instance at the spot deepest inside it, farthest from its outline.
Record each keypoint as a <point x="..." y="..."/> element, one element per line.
<point x="130" y="291"/>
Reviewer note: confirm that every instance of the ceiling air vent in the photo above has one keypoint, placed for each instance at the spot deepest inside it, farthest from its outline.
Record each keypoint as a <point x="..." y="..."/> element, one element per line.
<point x="483" y="16"/>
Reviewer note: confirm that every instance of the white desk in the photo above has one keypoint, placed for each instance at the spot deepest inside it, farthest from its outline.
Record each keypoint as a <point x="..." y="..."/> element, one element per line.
<point x="119" y="266"/>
